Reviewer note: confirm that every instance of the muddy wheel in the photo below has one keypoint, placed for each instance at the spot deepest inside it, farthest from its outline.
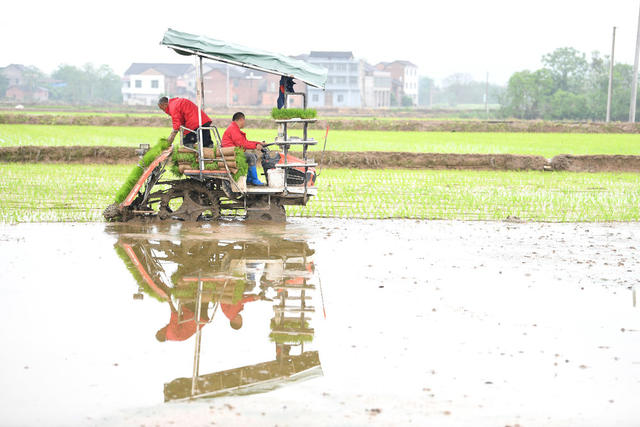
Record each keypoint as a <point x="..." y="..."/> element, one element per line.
<point x="112" y="212"/>
<point x="265" y="212"/>
<point x="189" y="201"/>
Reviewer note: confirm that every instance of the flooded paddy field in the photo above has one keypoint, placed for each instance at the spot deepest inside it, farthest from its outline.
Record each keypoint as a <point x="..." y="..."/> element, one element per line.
<point x="342" y="322"/>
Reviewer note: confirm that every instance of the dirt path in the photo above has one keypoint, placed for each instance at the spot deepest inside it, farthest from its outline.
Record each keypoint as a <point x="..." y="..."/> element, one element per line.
<point x="344" y="124"/>
<point x="354" y="160"/>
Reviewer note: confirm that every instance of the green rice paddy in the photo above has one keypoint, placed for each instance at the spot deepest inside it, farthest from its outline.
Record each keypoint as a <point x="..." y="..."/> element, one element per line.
<point x="544" y="144"/>
<point x="45" y="192"/>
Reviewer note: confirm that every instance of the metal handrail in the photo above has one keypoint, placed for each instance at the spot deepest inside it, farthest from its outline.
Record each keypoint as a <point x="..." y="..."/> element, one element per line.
<point x="217" y="145"/>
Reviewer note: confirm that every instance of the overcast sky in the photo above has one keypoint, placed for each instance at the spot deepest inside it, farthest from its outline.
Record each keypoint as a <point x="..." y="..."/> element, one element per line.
<point x="443" y="37"/>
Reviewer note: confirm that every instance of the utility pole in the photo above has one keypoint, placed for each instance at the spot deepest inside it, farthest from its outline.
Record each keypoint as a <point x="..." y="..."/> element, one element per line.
<point x="613" y="48"/>
<point x="634" y="88"/>
<point x="486" y="96"/>
<point x="227" y="85"/>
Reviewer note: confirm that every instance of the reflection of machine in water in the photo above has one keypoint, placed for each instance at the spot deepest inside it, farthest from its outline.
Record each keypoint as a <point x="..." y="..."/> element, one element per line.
<point x="210" y="276"/>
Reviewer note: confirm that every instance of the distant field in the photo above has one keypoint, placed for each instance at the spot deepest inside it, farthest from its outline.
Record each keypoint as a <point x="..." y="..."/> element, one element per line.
<point x="544" y="144"/>
<point x="77" y="113"/>
<point x="31" y="193"/>
<point x="214" y="115"/>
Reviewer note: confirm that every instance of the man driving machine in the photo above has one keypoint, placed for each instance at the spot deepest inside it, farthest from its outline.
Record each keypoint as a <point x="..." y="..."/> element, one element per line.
<point x="235" y="137"/>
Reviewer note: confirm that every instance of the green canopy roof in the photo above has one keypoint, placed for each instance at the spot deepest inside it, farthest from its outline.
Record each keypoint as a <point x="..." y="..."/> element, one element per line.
<point x="190" y="44"/>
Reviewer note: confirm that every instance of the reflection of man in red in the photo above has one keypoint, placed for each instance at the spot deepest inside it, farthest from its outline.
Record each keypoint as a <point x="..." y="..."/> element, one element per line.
<point x="232" y="311"/>
<point x="181" y="330"/>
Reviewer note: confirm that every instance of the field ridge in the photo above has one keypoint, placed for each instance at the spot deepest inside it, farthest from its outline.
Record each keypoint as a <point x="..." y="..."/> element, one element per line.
<point x="354" y="160"/>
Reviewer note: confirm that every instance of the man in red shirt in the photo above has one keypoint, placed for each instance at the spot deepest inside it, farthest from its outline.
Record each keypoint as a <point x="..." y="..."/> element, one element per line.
<point x="235" y="137"/>
<point x="232" y="311"/>
<point x="178" y="330"/>
<point x="185" y="113"/>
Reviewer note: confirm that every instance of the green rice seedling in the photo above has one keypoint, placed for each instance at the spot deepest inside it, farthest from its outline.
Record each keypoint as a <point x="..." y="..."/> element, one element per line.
<point x="473" y="195"/>
<point x="34" y="193"/>
<point x="290" y="339"/>
<point x="56" y="136"/>
<point x="544" y="144"/>
<point x="290" y="324"/>
<point x="122" y="254"/>
<point x="293" y="113"/>
<point x="138" y="170"/>
<point x="241" y="163"/>
<point x="54" y="192"/>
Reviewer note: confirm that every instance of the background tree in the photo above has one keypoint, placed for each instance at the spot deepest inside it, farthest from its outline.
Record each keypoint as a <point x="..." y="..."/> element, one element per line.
<point x="4" y="84"/>
<point x="407" y="101"/>
<point x="425" y="86"/>
<point x="33" y="77"/>
<point x="455" y="87"/>
<point x="87" y="85"/>
<point x="458" y="89"/>
<point x="568" y="68"/>
<point x="569" y="88"/>
<point x="392" y="100"/>
<point x="527" y="94"/>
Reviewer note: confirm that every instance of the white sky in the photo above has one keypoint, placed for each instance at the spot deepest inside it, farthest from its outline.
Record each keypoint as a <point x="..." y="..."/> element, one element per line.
<point x="444" y="37"/>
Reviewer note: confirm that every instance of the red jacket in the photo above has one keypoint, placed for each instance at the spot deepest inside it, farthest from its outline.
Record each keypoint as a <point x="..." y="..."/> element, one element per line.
<point x="232" y="310"/>
<point x="185" y="113"/>
<point x="234" y="137"/>
<point x="181" y="331"/>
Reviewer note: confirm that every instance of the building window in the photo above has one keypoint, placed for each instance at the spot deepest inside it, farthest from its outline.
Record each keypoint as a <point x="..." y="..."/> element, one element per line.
<point x="235" y="98"/>
<point x="353" y="80"/>
<point x="341" y="79"/>
<point x="138" y="83"/>
<point x="340" y="98"/>
<point x="315" y="97"/>
<point x="154" y="84"/>
<point x="341" y="67"/>
<point x="353" y="67"/>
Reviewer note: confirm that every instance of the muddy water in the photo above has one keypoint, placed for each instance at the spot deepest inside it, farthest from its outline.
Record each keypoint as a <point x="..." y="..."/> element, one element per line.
<point x="445" y="323"/>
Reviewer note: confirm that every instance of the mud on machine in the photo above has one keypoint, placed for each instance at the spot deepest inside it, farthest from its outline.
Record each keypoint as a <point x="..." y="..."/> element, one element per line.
<point x="207" y="192"/>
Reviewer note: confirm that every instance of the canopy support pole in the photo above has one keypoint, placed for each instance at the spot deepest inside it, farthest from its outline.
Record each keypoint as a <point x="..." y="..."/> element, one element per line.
<point x="200" y="103"/>
<point x="196" y="354"/>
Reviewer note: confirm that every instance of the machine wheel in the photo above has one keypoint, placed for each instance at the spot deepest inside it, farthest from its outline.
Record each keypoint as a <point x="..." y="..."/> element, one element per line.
<point x="112" y="212"/>
<point x="263" y="211"/>
<point x="189" y="200"/>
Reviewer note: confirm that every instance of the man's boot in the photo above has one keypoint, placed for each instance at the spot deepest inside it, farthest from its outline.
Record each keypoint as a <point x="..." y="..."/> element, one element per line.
<point x="252" y="177"/>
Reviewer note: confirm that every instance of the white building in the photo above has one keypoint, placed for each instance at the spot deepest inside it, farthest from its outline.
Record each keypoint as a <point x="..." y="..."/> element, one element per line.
<point x="376" y="87"/>
<point x="407" y="74"/>
<point x="343" y="80"/>
<point x="145" y="83"/>
<point x="410" y="81"/>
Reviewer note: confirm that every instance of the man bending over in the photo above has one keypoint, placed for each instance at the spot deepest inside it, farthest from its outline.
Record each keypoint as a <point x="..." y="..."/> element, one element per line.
<point x="185" y="113"/>
<point x="235" y="137"/>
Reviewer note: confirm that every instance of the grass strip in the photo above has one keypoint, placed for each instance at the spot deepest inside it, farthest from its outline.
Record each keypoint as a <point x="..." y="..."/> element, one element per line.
<point x="543" y="144"/>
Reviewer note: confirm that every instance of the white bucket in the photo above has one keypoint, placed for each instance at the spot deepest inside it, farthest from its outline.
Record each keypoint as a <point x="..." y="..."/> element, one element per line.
<point x="275" y="178"/>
